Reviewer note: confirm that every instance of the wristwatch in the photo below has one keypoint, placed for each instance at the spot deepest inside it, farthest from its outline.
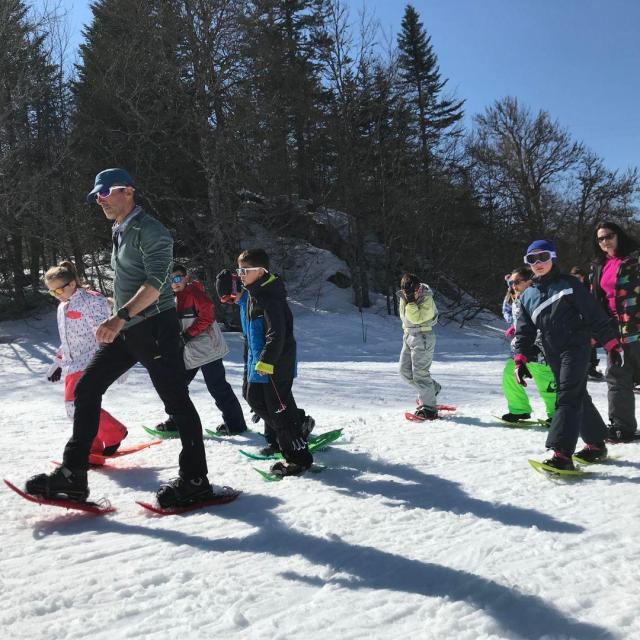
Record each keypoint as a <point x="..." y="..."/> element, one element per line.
<point x="123" y="313"/>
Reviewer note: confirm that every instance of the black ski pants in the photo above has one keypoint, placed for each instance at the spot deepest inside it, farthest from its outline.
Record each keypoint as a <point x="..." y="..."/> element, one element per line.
<point x="575" y="414"/>
<point x="155" y="344"/>
<point x="620" y="382"/>
<point x="275" y="404"/>
<point x="270" y="434"/>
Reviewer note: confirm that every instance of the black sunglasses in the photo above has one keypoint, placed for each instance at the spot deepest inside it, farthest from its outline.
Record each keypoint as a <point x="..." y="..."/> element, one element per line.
<point x="608" y="236"/>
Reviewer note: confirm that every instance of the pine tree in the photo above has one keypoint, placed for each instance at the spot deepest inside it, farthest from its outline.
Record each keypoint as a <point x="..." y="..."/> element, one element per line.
<point x="281" y="98"/>
<point x="29" y="143"/>
<point x="150" y="97"/>
<point x="422" y="85"/>
<point x="131" y="108"/>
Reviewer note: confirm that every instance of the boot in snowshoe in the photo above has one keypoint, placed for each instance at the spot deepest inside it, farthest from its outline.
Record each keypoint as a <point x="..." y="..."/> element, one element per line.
<point x="225" y="430"/>
<point x="168" y="425"/>
<point x="295" y="450"/>
<point x="270" y="450"/>
<point x="282" y="469"/>
<point x="515" y="417"/>
<point x="591" y="453"/>
<point x="617" y="435"/>
<point x="60" y="482"/>
<point x="426" y="413"/>
<point x="560" y="461"/>
<point x="181" y="492"/>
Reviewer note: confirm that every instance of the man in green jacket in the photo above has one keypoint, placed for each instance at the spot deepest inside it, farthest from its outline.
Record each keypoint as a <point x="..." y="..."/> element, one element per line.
<point x="143" y="328"/>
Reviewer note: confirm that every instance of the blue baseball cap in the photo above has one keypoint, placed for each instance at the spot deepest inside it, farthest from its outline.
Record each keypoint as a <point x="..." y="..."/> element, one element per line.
<point x="541" y="245"/>
<point x="110" y="178"/>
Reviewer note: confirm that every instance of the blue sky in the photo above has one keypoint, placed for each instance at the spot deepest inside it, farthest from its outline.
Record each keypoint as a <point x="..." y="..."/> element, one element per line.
<point x="578" y="59"/>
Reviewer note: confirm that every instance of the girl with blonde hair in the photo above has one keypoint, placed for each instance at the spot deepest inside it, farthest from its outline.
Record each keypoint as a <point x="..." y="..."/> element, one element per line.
<point x="79" y="313"/>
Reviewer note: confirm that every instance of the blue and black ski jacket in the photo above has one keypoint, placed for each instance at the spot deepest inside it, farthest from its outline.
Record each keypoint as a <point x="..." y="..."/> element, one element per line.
<point x="267" y="324"/>
<point x="560" y="309"/>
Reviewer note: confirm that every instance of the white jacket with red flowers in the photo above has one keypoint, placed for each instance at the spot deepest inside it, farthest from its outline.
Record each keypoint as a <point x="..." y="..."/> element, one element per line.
<point x="78" y="319"/>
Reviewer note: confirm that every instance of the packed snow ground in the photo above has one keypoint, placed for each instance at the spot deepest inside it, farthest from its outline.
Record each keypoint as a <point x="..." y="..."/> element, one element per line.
<point x="437" y="530"/>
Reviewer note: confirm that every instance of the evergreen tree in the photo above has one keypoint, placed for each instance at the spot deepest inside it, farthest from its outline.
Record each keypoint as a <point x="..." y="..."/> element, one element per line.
<point x="131" y="108"/>
<point x="422" y="86"/>
<point x="29" y="145"/>
<point x="282" y="97"/>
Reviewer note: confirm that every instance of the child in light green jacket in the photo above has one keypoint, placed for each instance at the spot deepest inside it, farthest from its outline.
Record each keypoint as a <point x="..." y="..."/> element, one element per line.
<point x="419" y="315"/>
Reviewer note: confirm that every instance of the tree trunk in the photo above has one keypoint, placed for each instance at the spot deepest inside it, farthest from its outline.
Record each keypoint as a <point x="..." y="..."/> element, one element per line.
<point x="17" y="267"/>
<point x="35" y="249"/>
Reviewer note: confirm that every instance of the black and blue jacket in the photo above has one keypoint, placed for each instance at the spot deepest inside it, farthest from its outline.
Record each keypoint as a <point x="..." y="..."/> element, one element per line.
<point x="267" y="324"/>
<point x="560" y="310"/>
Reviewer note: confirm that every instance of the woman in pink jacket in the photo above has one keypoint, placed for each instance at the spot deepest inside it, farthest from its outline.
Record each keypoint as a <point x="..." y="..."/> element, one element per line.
<point x="79" y="313"/>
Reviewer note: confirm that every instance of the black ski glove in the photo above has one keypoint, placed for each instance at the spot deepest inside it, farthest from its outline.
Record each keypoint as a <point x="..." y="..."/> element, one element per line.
<point x="409" y="293"/>
<point x="521" y="370"/>
<point x="55" y="376"/>
<point x="184" y="338"/>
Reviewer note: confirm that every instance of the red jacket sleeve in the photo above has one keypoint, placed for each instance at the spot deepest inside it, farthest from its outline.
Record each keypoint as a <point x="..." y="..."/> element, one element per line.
<point x="205" y="311"/>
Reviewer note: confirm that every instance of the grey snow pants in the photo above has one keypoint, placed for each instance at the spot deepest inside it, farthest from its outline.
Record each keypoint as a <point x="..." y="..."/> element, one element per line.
<point x="415" y="362"/>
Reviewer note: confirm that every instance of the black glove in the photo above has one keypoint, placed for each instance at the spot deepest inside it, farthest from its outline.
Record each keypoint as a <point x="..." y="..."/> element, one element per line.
<point x="55" y="376"/>
<point x="255" y="417"/>
<point x="184" y="338"/>
<point x="409" y="293"/>
<point x="521" y="370"/>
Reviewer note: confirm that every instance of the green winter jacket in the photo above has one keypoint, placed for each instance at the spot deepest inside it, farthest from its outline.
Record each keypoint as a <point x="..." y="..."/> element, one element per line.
<point x="419" y="316"/>
<point x="144" y="255"/>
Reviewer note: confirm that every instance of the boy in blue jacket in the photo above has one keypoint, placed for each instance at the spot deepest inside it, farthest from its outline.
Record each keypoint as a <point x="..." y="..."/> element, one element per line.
<point x="230" y="291"/>
<point x="270" y="358"/>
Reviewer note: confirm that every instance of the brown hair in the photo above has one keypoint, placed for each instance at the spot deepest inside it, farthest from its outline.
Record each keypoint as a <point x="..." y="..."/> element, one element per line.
<point x="64" y="270"/>
<point x="523" y="272"/>
<point x="409" y="280"/>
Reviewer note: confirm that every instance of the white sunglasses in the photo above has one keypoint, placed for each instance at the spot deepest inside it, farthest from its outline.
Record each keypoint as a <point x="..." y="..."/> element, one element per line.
<point x="104" y="194"/>
<point x="243" y="271"/>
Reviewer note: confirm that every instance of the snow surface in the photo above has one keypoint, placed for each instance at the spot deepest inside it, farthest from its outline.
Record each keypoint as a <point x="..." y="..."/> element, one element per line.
<point x="436" y="530"/>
